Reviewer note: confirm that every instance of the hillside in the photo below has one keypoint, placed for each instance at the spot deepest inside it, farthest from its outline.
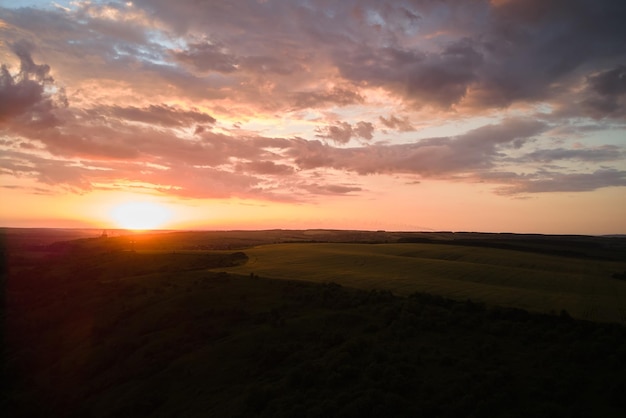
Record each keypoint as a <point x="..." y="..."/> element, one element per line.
<point x="584" y="287"/>
<point x="91" y="329"/>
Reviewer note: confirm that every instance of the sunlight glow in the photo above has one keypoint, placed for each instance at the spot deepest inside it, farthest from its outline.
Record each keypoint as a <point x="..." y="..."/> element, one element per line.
<point x="140" y="215"/>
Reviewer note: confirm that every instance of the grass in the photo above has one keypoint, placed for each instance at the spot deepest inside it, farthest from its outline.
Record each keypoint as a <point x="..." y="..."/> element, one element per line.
<point x="197" y="343"/>
<point x="108" y="333"/>
<point x="543" y="283"/>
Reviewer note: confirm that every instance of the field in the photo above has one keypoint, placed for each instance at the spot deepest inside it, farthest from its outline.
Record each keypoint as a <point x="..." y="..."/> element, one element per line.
<point x="543" y="283"/>
<point x="159" y="325"/>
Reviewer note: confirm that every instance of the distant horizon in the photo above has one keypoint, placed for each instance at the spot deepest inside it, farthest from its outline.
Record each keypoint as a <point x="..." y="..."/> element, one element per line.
<point x="147" y="231"/>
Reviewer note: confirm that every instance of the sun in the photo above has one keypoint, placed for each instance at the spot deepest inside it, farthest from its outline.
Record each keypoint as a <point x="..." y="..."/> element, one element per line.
<point x="140" y="215"/>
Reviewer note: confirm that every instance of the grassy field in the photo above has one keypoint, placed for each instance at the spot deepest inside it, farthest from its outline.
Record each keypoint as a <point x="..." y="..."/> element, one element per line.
<point x="532" y="281"/>
<point x="154" y="334"/>
<point x="167" y="328"/>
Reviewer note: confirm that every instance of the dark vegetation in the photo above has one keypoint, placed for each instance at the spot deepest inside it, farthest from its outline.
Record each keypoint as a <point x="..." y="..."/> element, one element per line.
<point x="94" y="329"/>
<point x="578" y="246"/>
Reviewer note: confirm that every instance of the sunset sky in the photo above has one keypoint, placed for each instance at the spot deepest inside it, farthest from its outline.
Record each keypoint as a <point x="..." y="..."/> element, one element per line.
<point x="474" y="115"/>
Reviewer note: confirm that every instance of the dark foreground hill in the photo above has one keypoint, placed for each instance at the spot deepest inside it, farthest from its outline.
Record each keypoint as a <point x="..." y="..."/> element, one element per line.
<point x="85" y="335"/>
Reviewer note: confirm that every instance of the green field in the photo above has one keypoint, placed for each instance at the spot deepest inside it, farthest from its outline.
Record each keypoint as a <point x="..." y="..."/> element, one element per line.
<point x="532" y="281"/>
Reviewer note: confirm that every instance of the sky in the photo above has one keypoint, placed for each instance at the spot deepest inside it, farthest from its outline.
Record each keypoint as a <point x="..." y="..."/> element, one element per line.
<point x="429" y="115"/>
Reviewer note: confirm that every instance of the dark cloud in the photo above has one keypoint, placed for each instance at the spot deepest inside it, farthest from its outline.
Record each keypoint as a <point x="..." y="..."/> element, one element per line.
<point x="111" y="20"/>
<point x="474" y="150"/>
<point x="266" y="167"/>
<point x="24" y="95"/>
<point x="70" y="40"/>
<point x="535" y="48"/>
<point x="363" y="130"/>
<point x="16" y="97"/>
<point x="607" y="93"/>
<point x="83" y="45"/>
<point x="207" y="57"/>
<point x="505" y="52"/>
<point x="52" y="172"/>
<point x="93" y="142"/>
<point x="394" y="122"/>
<point x="330" y="189"/>
<point x="160" y="115"/>
<point x="340" y="133"/>
<point x="343" y="132"/>
<point x="441" y="79"/>
<point x="599" y="154"/>
<point x="311" y="154"/>
<point x="610" y="83"/>
<point x="336" y="96"/>
<point x="545" y="182"/>
<point x="481" y="53"/>
<point x="268" y="64"/>
<point x="444" y="79"/>
<point x="41" y="73"/>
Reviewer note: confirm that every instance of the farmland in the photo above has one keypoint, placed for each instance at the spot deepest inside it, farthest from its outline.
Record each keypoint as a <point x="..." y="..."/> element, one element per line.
<point x="527" y="280"/>
<point x="202" y="324"/>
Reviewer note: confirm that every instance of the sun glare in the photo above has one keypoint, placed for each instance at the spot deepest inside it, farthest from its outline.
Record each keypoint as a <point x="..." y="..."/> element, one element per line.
<point x="140" y="215"/>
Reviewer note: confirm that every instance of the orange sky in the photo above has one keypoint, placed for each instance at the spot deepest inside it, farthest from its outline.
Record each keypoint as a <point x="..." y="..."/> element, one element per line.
<point x="398" y="115"/>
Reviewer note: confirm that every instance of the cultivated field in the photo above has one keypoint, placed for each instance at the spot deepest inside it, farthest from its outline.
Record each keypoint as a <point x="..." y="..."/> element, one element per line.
<point x="532" y="281"/>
